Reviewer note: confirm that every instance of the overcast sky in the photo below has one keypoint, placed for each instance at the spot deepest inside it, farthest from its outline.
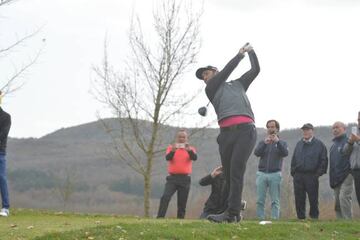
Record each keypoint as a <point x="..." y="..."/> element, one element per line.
<point x="308" y="52"/>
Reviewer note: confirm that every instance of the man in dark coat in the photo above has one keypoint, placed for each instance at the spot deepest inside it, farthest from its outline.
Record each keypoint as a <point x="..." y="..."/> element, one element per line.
<point x="308" y="163"/>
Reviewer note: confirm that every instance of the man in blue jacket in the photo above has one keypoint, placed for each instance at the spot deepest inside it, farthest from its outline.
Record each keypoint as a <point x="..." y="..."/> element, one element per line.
<point x="340" y="178"/>
<point x="308" y="163"/>
<point x="271" y="151"/>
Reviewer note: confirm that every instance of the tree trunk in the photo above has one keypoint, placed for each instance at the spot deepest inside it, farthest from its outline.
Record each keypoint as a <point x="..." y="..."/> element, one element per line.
<point x="147" y="192"/>
<point x="150" y="158"/>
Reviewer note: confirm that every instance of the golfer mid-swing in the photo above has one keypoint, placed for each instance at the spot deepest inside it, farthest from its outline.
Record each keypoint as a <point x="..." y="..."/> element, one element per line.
<point x="237" y="129"/>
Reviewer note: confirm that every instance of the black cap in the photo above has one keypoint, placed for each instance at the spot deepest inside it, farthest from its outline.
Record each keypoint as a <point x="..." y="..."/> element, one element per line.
<point x="201" y="70"/>
<point x="307" y="126"/>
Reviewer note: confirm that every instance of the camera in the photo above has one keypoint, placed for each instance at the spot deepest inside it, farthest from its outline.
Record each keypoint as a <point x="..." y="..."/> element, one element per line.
<point x="354" y="130"/>
<point x="180" y="145"/>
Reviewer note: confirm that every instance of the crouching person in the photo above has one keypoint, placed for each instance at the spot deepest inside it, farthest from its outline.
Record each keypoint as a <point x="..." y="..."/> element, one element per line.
<point x="216" y="203"/>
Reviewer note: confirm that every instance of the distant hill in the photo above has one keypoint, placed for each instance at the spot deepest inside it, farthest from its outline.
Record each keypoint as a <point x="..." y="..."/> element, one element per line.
<point x="83" y="151"/>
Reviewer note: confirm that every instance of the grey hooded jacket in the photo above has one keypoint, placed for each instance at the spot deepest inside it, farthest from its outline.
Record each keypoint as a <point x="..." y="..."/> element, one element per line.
<point x="354" y="150"/>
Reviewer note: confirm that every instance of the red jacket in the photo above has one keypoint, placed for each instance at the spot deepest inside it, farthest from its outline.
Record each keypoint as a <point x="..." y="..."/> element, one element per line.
<point x="180" y="161"/>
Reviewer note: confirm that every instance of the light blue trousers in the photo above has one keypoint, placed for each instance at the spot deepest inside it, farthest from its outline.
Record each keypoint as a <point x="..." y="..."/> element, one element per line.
<point x="265" y="181"/>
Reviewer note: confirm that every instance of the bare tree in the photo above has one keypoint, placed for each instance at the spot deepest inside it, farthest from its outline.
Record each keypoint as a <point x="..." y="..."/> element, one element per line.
<point x="149" y="88"/>
<point x="65" y="184"/>
<point x="14" y="83"/>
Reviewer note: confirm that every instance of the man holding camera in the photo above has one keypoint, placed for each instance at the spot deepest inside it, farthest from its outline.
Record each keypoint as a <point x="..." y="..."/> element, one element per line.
<point x="308" y="163"/>
<point x="353" y="147"/>
<point x="179" y="157"/>
<point x="271" y="151"/>
<point x="237" y="136"/>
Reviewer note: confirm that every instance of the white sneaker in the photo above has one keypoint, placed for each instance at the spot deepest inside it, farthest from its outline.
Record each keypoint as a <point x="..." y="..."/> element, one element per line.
<point x="4" y="212"/>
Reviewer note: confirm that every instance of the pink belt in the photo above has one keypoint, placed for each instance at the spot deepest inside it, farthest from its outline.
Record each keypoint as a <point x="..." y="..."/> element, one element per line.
<point x="235" y="120"/>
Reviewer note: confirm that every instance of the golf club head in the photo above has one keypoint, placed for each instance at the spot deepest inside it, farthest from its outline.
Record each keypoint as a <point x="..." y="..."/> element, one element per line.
<point x="202" y="111"/>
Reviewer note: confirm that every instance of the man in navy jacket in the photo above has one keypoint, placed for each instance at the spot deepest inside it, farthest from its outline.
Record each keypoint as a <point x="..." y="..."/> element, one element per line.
<point x="308" y="163"/>
<point x="340" y="178"/>
<point x="271" y="151"/>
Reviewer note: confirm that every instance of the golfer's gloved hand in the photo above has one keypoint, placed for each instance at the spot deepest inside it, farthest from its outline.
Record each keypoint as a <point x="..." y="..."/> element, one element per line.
<point x="248" y="48"/>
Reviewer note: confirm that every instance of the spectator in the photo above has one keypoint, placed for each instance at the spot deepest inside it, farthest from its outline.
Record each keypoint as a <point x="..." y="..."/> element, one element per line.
<point x="340" y="178"/>
<point x="271" y="151"/>
<point x="308" y="163"/>
<point x="353" y="147"/>
<point x="216" y="203"/>
<point x="179" y="156"/>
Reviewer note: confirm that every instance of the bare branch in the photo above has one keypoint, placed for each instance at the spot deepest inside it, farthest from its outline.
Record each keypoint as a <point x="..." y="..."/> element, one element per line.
<point x="137" y="167"/>
<point x="9" y="86"/>
<point x="4" y="2"/>
<point x="19" y="41"/>
<point x="179" y="109"/>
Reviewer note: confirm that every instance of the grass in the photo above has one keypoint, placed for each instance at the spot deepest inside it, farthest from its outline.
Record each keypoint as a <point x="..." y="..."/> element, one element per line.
<point x="40" y="225"/>
<point x="27" y="224"/>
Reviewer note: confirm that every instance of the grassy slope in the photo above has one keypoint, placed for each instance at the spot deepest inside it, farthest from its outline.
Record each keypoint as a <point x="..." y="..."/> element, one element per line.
<point x="45" y="225"/>
<point x="27" y="224"/>
<point x="176" y="230"/>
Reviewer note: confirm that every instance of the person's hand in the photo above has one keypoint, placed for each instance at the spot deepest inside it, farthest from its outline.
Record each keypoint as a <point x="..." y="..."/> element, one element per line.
<point x="173" y="147"/>
<point x="242" y="51"/>
<point x="187" y="147"/>
<point x="274" y="138"/>
<point x="216" y="171"/>
<point x="354" y="138"/>
<point x="268" y="140"/>
<point x="248" y="48"/>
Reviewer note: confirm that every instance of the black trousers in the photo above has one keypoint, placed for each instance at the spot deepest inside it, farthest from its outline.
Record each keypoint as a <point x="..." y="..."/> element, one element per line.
<point x="235" y="147"/>
<point x="356" y="176"/>
<point x="181" y="184"/>
<point x="306" y="183"/>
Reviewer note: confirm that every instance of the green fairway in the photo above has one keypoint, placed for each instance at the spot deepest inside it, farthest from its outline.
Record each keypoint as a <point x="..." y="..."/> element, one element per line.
<point x="27" y="224"/>
<point x="39" y="225"/>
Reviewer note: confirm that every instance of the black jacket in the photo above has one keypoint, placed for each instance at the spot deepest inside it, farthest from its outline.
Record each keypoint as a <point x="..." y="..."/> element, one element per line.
<point x="5" y="123"/>
<point x="309" y="157"/>
<point x="339" y="161"/>
<point x="216" y="202"/>
<point x="271" y="155"/>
